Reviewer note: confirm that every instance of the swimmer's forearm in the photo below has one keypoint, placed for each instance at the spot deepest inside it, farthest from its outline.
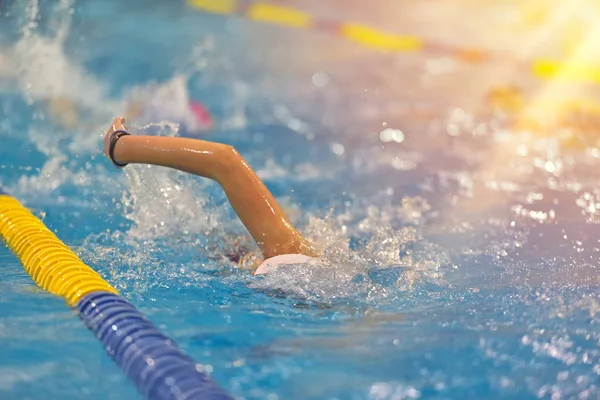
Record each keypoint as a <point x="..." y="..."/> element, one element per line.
<point x="207" y="159"/>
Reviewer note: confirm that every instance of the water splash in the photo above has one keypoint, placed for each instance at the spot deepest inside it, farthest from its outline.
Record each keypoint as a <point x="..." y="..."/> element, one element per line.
<point x="163" y="204"/>
<point x="354" y="272"/>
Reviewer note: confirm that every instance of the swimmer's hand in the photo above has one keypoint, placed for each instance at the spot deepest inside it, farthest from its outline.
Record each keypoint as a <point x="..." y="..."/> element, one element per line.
<point x="117" y="125"/>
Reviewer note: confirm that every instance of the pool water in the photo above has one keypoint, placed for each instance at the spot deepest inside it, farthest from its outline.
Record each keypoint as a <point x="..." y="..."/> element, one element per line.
<point x="461" y="255"/>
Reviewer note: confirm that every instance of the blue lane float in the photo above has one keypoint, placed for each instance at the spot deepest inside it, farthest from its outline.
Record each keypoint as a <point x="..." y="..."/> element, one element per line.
<point x="150" y="359"/>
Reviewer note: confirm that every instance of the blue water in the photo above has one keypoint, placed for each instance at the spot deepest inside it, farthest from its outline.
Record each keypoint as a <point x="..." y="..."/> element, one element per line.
<point x="459" y="264"/>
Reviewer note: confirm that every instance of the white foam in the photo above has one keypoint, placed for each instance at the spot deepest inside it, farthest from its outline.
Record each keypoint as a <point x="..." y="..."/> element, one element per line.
<point x="10" y="377"/>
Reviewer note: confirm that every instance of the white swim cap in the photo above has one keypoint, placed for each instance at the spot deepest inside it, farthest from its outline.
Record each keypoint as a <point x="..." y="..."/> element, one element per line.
<point x="273" y="263"/>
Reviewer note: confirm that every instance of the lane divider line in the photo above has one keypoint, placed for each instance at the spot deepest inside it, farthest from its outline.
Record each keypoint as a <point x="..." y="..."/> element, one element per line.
<point x="267" y="12"/>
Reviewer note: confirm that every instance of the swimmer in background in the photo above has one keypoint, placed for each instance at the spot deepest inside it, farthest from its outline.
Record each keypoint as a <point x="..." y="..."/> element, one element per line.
<point x="166" y="102"/>
<point x="279" y="242"/>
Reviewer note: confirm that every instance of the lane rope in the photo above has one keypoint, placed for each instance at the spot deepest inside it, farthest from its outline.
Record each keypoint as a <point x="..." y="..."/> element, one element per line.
<point x="265" y="12"/>
<point x="152" y="361"/>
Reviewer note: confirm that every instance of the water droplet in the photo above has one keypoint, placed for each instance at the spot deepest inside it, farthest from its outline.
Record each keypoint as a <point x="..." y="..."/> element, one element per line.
<point x="338" y="149"/>
<point x="320" y="79"/>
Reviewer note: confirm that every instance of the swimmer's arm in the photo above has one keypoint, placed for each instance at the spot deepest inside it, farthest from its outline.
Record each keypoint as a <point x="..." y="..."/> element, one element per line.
<point x="251" y="200"/>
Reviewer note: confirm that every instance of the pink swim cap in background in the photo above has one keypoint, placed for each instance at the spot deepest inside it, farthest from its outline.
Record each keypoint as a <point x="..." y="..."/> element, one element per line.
<point x="203" y="118"/>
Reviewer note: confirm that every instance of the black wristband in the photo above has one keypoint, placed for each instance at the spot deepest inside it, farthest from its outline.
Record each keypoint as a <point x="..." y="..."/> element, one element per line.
<point x="114" y="137"/>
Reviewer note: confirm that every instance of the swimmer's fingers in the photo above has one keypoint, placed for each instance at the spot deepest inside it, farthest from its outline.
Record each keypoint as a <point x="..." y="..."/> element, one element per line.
<point x="118" y="124"/>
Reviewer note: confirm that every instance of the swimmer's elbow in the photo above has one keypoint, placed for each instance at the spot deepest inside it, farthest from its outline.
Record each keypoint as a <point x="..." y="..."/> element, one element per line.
<point x="230" y="155"/>
<point x="230" y="161"/>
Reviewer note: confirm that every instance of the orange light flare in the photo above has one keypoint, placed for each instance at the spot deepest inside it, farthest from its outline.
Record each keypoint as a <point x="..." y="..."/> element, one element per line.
<point x="550" y="124"/>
